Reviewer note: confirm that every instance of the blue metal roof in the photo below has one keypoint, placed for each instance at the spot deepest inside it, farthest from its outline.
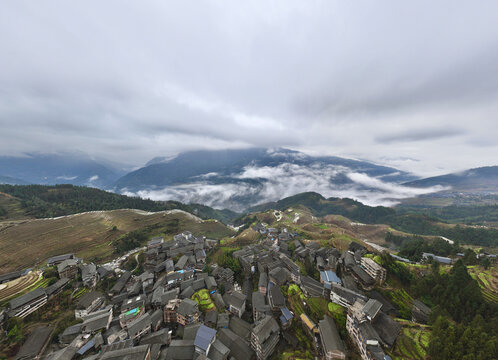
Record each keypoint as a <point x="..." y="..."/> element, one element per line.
<point x="86" y="347"/>
<point x="204" y="337"/>
<point x="330" y="276"/>
<point x="286" y="313"/>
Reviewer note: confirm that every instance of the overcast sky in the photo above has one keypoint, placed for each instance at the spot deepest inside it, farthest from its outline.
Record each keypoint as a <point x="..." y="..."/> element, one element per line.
<point x="409" y="84"/>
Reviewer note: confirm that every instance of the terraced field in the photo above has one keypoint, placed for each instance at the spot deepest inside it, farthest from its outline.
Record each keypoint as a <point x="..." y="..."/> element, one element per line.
<point x="30" y="281"/>
<point x="26" y="243"/>
<point x="412" y="343"/>
<point x="488" y="281"/>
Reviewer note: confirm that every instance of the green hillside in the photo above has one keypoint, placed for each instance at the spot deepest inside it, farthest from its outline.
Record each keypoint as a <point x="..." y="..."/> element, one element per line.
<point x="40" y="201"/>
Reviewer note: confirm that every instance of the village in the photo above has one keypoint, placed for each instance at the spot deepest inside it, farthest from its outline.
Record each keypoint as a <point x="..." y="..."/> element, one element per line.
<point x="176" y="303"/>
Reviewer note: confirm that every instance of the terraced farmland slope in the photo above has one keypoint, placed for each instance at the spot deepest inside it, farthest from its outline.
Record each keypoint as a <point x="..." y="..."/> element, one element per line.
<point x="488" y="281"/>
<point x="25" y="243"/>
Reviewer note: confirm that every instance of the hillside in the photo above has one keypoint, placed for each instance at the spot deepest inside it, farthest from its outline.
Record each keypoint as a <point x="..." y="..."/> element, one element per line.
<point x="40" y="201"/>
<point x="420" y="224"/>
<point x="93" y="236"/>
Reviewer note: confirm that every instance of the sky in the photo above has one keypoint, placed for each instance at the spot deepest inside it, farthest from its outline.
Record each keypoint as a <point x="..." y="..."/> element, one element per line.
<point x="413" y="85"/>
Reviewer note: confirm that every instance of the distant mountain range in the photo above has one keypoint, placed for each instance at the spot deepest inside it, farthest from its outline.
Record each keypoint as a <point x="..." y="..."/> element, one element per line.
<point x="47" y="169"/>
<point x="483" y="179"/>
<point x="239" y="179"/>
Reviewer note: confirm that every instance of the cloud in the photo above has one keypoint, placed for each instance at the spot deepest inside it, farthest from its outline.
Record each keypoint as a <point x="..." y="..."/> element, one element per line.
<point x="256" y="185"/>
<point x="339" y="78"/>
<point x="419" y="135"/>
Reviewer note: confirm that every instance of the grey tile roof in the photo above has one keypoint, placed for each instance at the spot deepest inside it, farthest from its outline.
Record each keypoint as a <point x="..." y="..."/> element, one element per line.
<point x="187" y="307"/>
<point x="387" y="328"/>
<point x="240" y="327"/>
<point x="239" y="348"/>
<point x="371" y="308"/>
<point x="134" y="353"/>
<point x="56" y="286"/>
<point x="264" y="328"/>
<point x="96" y="323"/>
<point x="181" y="350"/>
<point x="35" y="342"/>
<point x="190" y="331"/>
<point x="263" y="280"/>
<point x="331" y="341"/>
<point x="235" y="299"/>
<point x="188" y="292"/>
<point x="26" y="298"/>
<point x="218" y="351"/>
<point x="137" y="325"/>
<point x="223" y="320"/>
<point x="157" y="337"/>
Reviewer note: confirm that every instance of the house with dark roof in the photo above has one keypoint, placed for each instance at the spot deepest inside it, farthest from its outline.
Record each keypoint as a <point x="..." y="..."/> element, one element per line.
<point x="68" y="269"/>
<point x="120" y="284"/>
<point x="139" y="327"/>
<point x="180" y="350"/>
<point x="223" y="321"/>
<point x="332" y="344"/>
<point x="239" y="348"/>
<point x="188" y="312"/>
<point x="218" y="351"/>
<point x="55" y="260"/>
<point x="240" y="327"/>
<point x="210" y="283"/>
<point x="211" y="318"/>
<point x="420" y="312"/>
<point x="89" y="274"/>
<point x="371" y="309"/>
<point x="264" y="337"/>
<point x="218" y="301"/>
<point x="345" y="297"/>
<point x="236" y="302"/>
<point x="311" y="287"/>
<point x="162" y="337"/>
<point x="56" y="287"/>
<point x="35" y="344"/>
<point x="374" y="270"/>
<point x="275" y="298"/>
<point x="89" y="303"/>
<point x="259" y="306"/>
<point x="279" y="275"/>
<point x="366" y="281"/>
<point x="96" y="323"/>
<point x="25" y="304"/>
<point x="141" y="352"/>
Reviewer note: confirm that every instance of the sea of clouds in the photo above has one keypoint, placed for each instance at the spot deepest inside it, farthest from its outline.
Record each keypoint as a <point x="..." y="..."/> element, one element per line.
<point x="257" y="185"/>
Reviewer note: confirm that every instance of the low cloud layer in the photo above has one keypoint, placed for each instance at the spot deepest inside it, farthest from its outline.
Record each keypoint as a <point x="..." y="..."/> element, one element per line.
<point x="129" y="81"/>
<point x="264" y="184"/>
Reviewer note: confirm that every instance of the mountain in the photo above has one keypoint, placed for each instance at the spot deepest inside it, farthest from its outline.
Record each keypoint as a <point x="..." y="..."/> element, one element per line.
<point x="12" y="181"/>
<point x="483" y="179"/>
<point x="42" y="201"/>
<point x="76" y="169"/>
<point x="237" y="179"/>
